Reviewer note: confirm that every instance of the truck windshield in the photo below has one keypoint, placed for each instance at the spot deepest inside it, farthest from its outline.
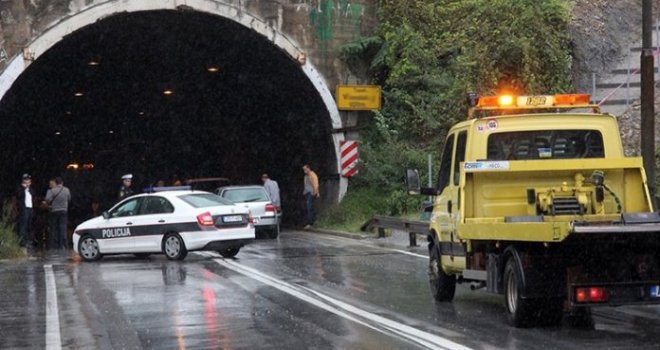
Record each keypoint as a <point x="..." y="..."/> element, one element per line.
<point x="545" y="144"/>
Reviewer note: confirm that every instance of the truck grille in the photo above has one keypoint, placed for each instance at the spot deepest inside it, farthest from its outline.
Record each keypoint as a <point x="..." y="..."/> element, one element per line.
<point x="566" y="206"/>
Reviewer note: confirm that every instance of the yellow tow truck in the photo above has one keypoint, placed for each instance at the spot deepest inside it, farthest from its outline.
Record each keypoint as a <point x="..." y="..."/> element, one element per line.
<point x="537" y="201"/>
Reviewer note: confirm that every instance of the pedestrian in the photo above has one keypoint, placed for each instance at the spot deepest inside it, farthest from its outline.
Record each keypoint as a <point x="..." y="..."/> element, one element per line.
<point x="272" y="189"/>
<point x="176" y="181"/>
<point x="24" y="200"/>
<point x="58" y="198"/>
<point x="125" y="189"/>
<point x="310" y="192"/>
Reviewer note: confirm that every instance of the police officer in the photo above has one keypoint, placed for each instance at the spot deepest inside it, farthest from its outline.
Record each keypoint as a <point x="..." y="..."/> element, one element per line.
<point x="125" y="189"/>
<point x="24" y="201"/>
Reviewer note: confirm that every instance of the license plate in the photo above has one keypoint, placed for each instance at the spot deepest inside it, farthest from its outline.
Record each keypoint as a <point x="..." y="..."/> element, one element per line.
<point x="655" y="290"/>
<point x="232" y="218"/>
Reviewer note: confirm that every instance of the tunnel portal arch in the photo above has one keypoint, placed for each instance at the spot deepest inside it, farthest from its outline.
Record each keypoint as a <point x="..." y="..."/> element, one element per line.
<point x="98" y="11"/>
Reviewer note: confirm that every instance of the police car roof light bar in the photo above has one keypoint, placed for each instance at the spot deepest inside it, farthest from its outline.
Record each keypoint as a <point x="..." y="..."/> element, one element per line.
<point x="152" y="189"/>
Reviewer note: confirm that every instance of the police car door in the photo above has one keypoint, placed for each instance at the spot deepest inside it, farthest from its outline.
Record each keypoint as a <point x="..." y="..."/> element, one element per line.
<point x="153" y="222"/>
<point x="116" y="236"/>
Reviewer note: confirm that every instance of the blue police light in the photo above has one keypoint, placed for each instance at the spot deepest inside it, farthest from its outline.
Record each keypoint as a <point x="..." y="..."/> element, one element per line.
<point x="152" y="189"/>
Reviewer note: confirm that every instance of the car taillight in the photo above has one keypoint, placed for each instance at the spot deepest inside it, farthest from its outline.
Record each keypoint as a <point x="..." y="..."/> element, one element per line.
<point x="270" y="207"/>
<point x="591" y="295"/>
<point x="205" y="219"/>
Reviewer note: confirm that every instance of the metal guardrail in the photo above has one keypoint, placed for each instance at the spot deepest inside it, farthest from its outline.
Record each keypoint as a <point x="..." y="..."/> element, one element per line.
<point x="413" y="227"/>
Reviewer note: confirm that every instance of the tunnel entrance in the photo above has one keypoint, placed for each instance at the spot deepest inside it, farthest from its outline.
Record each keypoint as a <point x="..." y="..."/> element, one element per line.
<point x="163" y="94"/>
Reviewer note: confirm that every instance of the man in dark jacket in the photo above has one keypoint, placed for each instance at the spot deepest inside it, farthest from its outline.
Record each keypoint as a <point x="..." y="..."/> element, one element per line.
<point x="58" y="198"/>
<point x="24" y="203"/>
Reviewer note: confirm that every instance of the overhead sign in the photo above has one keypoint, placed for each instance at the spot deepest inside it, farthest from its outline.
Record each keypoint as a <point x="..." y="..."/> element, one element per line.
<point x="358" y="97"/>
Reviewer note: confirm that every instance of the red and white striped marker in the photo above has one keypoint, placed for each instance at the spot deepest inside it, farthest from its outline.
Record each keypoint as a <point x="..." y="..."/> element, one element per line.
<point x="349" y="158"/>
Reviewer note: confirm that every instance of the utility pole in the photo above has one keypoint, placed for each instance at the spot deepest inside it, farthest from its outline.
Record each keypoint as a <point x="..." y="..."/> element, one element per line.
<point x="648" y="95"/>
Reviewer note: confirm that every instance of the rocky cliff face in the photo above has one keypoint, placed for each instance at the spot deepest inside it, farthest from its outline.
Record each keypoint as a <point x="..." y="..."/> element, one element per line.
<point x="602" y="32"/>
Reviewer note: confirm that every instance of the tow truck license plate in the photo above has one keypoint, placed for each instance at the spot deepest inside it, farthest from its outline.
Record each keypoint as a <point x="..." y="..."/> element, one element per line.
<point x="655" y="290"/>
<point x="232" y="218"/>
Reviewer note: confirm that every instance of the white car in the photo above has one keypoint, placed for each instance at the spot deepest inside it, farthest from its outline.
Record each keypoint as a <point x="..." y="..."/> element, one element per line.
<point x="170" y="222"/>
<point x="266" y="216"/>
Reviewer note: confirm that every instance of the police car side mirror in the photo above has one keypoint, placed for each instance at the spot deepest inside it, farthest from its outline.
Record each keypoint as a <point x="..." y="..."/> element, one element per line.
<point x="106" y="215"/>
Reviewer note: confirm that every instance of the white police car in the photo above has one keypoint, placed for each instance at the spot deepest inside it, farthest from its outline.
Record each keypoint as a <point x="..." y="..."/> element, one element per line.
<point x="169" y="222"/>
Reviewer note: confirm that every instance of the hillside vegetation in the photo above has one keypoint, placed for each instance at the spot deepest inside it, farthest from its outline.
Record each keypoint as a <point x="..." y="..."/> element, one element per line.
<point x="426" y="55"/>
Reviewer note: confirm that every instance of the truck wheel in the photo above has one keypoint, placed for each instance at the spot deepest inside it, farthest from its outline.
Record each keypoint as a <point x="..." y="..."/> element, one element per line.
<point x="520" y="312"/>
<point x="443" y="286"/>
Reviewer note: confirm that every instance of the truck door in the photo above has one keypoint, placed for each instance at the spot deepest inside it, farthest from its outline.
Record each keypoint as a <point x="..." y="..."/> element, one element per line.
<point x="448" y="212"/>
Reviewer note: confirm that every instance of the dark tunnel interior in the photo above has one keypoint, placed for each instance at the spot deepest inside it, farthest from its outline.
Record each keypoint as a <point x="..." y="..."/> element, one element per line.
<point x="161" y="94"/>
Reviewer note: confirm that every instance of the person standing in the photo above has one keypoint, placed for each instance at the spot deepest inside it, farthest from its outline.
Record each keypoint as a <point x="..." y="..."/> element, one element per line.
<point x="25" y="204"/>
<point x="125" y="189"/>
<point x="58" y="198"/>
<point x="310" y="192"/>
<point x="272" y="189"/>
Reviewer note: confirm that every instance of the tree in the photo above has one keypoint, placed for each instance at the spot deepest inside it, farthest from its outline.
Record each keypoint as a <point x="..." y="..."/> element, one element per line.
<point x="428" y="54"/>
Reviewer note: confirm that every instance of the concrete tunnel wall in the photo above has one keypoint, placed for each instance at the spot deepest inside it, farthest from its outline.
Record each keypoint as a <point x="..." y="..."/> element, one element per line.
<point x="85" y="15"/>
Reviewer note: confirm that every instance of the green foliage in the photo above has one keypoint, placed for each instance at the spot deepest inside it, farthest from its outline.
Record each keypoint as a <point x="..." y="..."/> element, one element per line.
<point x="8" y="239"/>
<point x="360" y="204"/>
<point x="427" y="54"/>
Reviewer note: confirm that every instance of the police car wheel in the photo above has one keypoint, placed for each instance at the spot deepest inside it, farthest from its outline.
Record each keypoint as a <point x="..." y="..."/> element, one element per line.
<point x="88" y="249"/>
<point x="173" y="247"/>
<point x="229" y="252"/>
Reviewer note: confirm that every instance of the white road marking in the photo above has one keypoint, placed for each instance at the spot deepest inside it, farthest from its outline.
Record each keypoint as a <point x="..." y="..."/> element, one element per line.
<point x="408" y="253"/>
<point x="53" y="340"/>
<point x="350" y="312"/>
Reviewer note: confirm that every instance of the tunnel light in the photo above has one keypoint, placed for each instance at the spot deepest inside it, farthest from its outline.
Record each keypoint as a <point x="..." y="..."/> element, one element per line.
<point x="78" y="94"/>
<point x="168" y="92"/>
<point x="72" y="166"/>
<point x="111" y="132"/>
<point x="141" y="113"/>
<point x="67" y="112"/>
<point x="213" y="69"/>
<point x="58" y="133"/>
<point x="93" y="63"/>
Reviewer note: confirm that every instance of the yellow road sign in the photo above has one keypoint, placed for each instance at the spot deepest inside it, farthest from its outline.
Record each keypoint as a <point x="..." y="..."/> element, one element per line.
<point x="358" y="97"/>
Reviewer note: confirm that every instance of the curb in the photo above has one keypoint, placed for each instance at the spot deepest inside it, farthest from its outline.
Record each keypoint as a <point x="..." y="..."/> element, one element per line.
<point x="344" y="234"/>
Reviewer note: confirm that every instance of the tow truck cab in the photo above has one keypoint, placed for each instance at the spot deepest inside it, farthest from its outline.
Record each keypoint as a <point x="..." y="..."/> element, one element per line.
<point x="536" y="201"/>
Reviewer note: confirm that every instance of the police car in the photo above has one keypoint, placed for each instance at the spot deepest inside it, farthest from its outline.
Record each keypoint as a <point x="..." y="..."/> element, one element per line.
<point x="170" y="222"/>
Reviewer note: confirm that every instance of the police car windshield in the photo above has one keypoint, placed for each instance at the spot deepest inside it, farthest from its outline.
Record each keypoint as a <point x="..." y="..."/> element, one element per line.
<point x="203" y="200"/>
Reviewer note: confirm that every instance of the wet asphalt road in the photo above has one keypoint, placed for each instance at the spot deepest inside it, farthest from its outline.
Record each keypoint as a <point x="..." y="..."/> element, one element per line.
<point x="302" y="291"/>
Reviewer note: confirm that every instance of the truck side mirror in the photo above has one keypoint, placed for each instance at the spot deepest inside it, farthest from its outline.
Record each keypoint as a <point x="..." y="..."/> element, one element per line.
<point x="413" y="182"/>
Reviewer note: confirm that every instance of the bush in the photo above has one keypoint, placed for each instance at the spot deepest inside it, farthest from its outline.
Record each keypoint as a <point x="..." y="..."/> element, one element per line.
<point x="9" y="243"/>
